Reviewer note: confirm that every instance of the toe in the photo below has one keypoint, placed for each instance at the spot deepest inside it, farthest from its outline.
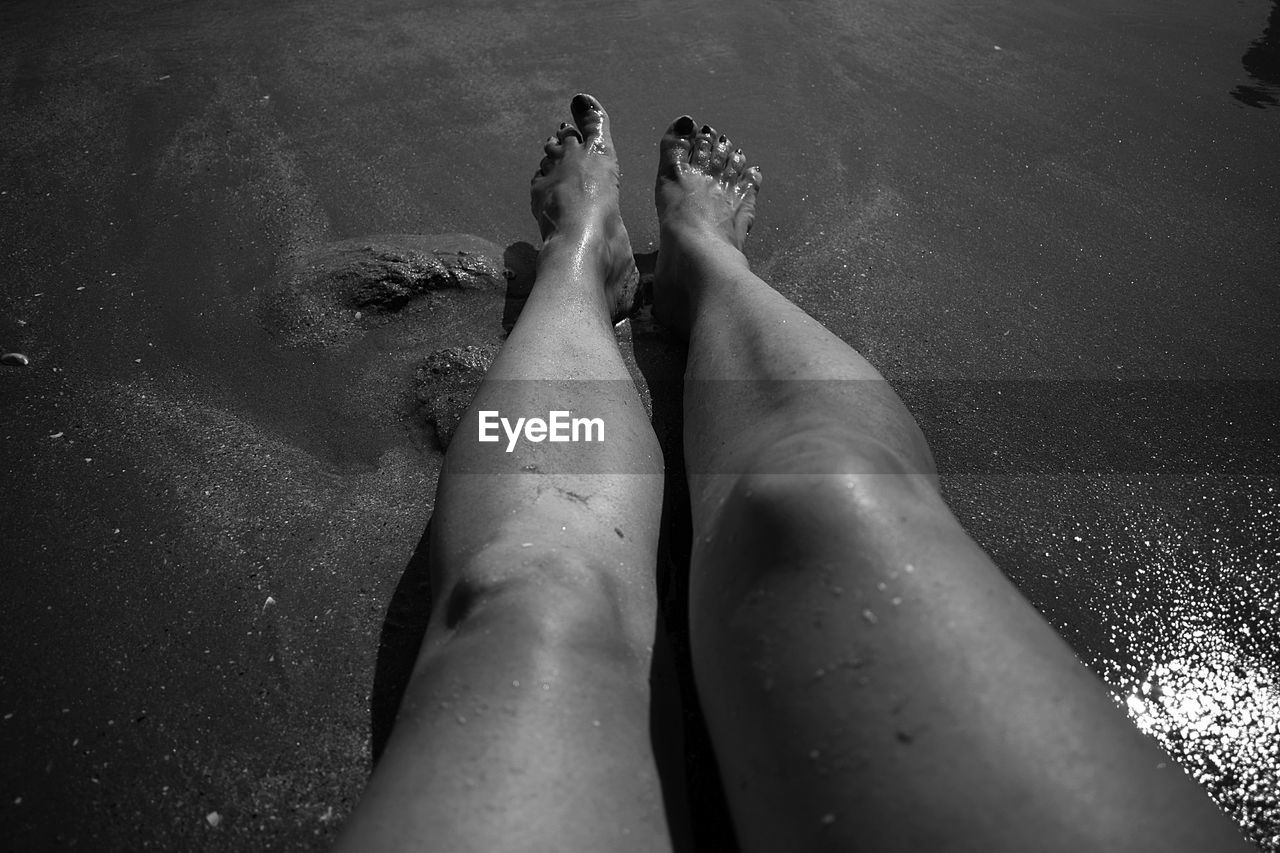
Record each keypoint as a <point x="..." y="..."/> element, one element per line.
<point x="553" y="147"/>
<point x="700" y="158"/>
<point x="676" y="146"/>
<point x="749" y="183"/>
<point x="733" y="168"/>
<point x="721" y="151"/>
<point x="566" y="131"/>
<point x="592" y="121"/>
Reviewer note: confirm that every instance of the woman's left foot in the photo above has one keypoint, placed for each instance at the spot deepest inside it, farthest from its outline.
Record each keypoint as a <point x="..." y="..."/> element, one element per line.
<point x="575" y="200"/>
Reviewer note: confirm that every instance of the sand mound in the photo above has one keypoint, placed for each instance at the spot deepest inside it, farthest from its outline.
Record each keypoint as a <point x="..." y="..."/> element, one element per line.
<point x="332" y="294"/>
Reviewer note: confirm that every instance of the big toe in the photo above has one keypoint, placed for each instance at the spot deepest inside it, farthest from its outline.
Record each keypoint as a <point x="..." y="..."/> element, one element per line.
<point x="676" y="147"/>
<point x="592" y="120"/>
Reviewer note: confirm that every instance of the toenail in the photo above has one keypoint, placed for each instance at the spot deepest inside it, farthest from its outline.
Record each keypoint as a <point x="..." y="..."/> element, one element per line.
<point x="684" y="124"/>
<point x="723" y="138"/>
<point x="706" y="128"/>
<point x="563" y="125"/>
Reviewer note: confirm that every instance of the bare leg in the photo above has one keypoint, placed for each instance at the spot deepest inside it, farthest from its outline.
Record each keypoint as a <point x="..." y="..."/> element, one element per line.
<point x="525" y="725"/>
<point x="871" y="680"/>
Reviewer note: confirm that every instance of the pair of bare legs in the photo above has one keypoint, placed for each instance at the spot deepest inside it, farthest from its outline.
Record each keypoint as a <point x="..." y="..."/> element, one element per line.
<point x="870" y="679"/>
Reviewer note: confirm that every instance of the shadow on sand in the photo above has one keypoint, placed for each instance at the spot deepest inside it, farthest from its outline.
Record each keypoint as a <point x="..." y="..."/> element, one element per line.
<point x="1262" y="61"/>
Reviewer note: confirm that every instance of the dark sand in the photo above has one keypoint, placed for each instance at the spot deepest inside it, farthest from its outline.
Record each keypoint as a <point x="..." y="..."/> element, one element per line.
<point x="1050" y="224"/>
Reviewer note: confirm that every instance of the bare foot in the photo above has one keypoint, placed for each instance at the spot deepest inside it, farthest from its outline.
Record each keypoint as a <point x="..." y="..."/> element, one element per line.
<point x="706" y="197"/>
<point x="575" y="200"/>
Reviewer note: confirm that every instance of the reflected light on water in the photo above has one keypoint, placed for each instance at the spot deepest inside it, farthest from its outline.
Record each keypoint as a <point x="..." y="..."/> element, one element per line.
<point x="1168" y="585"/>
<point x="1218" y="714"/>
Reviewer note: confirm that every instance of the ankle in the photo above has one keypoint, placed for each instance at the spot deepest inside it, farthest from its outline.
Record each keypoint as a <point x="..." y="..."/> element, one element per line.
<point x="574" y="245"/>
<point x="700" y="252"/>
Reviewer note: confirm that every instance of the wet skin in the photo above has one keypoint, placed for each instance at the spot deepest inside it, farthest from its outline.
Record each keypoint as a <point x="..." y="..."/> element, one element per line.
<point x="870" y="679"/>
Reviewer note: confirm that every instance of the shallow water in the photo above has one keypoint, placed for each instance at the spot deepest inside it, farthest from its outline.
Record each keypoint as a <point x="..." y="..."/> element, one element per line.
<point x="1080" y="194"/>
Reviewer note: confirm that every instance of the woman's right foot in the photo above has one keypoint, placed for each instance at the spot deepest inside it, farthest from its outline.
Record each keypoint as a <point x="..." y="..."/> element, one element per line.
<point x="575" y="200"/>
<point x="706" y="198"/>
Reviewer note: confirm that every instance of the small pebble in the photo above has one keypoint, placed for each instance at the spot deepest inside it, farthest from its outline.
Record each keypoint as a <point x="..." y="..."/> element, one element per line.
<point x="214" y="819"/>
<point x="14" y="359"/>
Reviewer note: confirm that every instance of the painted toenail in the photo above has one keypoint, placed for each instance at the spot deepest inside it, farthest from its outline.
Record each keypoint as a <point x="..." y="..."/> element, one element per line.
<point x="563" y="125"/>
<point x="722" y="138"/>
<point x="684" y="125"/>
<point x="706" y="128"/>
<point x="582" y="103"/>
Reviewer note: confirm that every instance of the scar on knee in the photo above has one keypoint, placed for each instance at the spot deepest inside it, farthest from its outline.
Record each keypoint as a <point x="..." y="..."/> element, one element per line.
<point x="459" y="604"/>
<point x="574" y="496"/>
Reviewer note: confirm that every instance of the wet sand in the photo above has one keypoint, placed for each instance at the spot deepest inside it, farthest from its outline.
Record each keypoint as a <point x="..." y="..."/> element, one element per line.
<point x="1051" y="226"/>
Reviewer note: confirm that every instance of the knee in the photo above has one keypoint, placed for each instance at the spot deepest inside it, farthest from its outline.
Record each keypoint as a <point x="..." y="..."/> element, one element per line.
<point x="827" y="484"/>
<point x="817" y="512"/>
